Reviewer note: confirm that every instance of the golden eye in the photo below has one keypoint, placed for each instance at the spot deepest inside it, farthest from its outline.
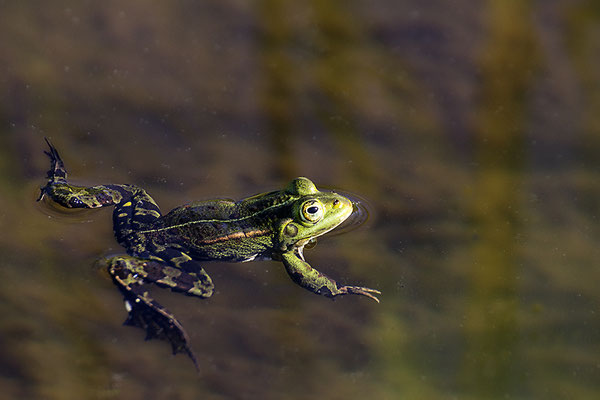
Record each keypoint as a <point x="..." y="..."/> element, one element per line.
<point x="312" y="211"/>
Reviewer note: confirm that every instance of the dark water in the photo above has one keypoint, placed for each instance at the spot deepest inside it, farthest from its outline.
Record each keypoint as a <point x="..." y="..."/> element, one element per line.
<point x="471" y="128"/>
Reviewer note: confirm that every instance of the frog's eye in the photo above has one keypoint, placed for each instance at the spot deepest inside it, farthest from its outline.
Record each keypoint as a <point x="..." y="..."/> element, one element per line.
<point x="312" y="211"/>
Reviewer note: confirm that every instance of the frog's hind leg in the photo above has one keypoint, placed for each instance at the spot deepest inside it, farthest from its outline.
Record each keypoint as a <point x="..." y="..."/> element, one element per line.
<point x="70" y="196"/>
<point x="134" y="210"/>
<point x="184" y="275"/>
<point x="129" y="274"/>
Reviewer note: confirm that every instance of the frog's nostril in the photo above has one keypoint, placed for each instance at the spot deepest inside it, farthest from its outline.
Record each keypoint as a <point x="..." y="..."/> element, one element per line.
<point x="336" y="202"/>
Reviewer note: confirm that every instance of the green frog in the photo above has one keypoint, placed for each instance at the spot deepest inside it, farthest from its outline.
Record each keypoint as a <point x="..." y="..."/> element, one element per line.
<point x="167" y="250"/>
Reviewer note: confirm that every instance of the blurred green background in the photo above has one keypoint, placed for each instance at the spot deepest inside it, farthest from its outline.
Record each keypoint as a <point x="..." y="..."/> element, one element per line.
<point x="472" y="129"/>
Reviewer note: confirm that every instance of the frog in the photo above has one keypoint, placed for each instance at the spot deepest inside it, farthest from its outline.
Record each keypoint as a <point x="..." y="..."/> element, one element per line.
<point x="169" y="250"/>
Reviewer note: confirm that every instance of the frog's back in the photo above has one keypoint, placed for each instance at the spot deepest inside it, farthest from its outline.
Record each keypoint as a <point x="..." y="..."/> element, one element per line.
<point x="218" y="209"/>
<point x="219" y="230"/>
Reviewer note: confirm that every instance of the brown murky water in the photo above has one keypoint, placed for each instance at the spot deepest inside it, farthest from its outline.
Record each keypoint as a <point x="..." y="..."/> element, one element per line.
<point x="471" y="129"/>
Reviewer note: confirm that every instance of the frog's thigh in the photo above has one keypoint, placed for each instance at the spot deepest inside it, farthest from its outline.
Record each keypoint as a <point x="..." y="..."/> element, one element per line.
<point x="183" y="274"/>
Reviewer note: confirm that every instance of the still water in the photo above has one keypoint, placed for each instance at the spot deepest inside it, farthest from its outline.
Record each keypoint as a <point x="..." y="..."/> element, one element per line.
<point x="471" y="131"/>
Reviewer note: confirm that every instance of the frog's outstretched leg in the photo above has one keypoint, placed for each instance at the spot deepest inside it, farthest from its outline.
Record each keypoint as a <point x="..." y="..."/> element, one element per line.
<point x="308" y="277"/>
<point x="129" y="274"/>
<point x="71" y="196"/>
<point x="134" y="210"/>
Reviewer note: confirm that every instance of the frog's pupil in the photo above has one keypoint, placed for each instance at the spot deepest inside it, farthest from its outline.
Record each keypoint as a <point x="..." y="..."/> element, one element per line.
<point x="312" y="210"/>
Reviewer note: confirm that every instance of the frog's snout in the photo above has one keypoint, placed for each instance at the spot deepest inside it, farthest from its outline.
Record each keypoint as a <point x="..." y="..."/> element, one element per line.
<point x="342" y="202"/>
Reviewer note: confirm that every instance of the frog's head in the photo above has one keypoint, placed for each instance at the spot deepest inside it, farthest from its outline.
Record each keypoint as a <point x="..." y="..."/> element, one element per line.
<point x="313" y="214"/>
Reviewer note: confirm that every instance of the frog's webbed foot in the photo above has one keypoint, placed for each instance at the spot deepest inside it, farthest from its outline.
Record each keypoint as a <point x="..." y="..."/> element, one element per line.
<point x="157" y="321"/>
<point x="358" y="290"/>
<point x="144" y="312"/>
<point x="57" y="169"/>
<point x="57" y="172"/>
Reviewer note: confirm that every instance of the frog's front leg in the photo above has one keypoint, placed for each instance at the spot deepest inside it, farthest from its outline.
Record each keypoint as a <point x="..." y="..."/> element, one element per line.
<point x="308" y="277"/>
<point x="129" y="274"/>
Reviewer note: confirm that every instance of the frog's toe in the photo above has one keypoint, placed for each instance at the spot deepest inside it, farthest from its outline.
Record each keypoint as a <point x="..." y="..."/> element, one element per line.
<point x="57" y="167"/>
<point x="360" y="290"/>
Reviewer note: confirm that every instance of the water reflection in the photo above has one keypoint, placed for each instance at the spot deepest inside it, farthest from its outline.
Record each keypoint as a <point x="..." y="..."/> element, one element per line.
<point x="492" y="365"/>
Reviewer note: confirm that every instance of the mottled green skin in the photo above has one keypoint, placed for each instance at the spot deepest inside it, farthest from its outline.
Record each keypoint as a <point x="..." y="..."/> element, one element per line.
<point x="166" y="250"/>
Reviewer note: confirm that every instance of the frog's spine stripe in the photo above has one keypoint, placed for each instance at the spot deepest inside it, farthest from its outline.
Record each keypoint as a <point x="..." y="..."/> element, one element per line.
<point x="266" y="211"/>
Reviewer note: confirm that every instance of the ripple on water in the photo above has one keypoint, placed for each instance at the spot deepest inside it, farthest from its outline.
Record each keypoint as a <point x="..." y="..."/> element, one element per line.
<point x="361" y="216"/>
<point x="72" y="215"/>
